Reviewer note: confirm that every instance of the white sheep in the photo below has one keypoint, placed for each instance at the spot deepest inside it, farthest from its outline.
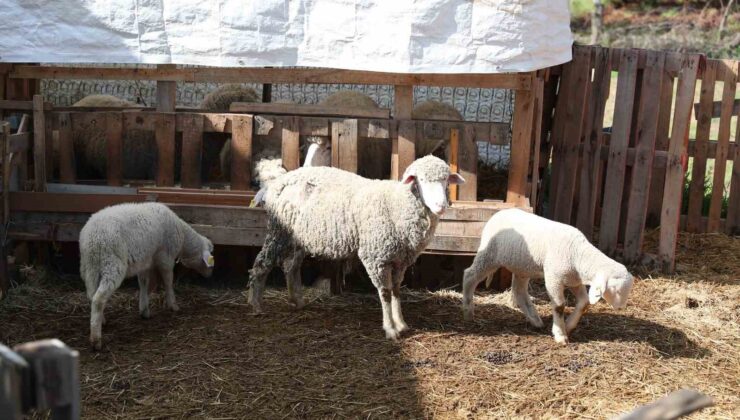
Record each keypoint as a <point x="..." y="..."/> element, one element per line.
<point x="532" y="246"/>
<point x="136" y="240"/>
<point x="337" y="215"/>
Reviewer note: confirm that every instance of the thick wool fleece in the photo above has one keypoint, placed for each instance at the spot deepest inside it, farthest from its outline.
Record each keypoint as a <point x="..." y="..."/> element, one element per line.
<point x="129" y="239"/>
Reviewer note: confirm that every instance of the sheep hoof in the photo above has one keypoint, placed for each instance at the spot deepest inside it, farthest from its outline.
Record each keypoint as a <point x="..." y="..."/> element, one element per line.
<point x="96" y="344"/>
<point x="468" y="314"/>
<point x="175" y="308"/>
<point x="401" y="327"/>
<point x="299" y="304"/>
<point x="561" y="339"/>
<point x="392" y="334"/>
<point x="145" y="314"/>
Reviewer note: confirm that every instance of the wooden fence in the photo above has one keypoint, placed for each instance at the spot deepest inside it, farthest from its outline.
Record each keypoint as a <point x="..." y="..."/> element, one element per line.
<point x="615" y="182"/>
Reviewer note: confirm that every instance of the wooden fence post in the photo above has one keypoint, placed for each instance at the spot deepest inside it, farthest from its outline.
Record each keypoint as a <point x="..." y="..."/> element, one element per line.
<point x="520" y="146"/>
<point x="6" y="165"/>
<point x="39" y="144"/>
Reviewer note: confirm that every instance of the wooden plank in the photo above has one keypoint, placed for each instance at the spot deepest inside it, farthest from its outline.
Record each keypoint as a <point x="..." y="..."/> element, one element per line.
<point x="677" y="161"/>
<point x="7" y="165"/>
<point x="591" y="166"/>
<point x="39" y="144"/>
<point x="165" y="137"/>
<point x="307" y="109"/>
<point x="558" y="128"/>
<point x="88" y="189"/>
<point x="647" y="128"/>
<point x="698" y="170"/>
<point x="733" y="200"/>
<point x="19" y="143"/>
<point x="454" y="159"/>
<point x="166" y="90"/>
<point x="344" y="139"/>
<point x="520" y="145"/>
<point x="468" y="165"/>
<point x="290" y="143"/>
<point x="276" y="75"/>
<point x="404" y="148"/>
<point x="192" y="150"/>
<point x="66" y="150"/>
<point x="23" y="152"/>
<point x="462" y="244"/>
<point x="616" y="166"/>
<point x="730" y="78"/>
<point x="15" y="105"/>
<point x="575" y="115"/>
<point x="114" y="141"/>
<point x="75" y="203"/>
<point x="241" y="152"/>
<point x="403" y="102"/>
<point x="52" y="138"/>
<point x="655" y="200"/>
<point x="539" y="92"/>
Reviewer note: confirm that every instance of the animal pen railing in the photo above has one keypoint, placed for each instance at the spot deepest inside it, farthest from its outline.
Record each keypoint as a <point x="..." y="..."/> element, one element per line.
<point x="51" y="207"/>
<point x="613" y="183"/>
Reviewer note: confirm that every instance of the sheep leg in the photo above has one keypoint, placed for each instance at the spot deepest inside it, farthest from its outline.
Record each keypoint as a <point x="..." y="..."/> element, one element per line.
<point x="292" y="271"/>
<point x="400" y="324"/>
<point x="520" y="295"/>
<point x="169" y="291"/>
<point x="144" y="295"/>
<point x="581" y="306"/>
<point x="264" y="262"/>
<point x="472" y="276"/>
<point x="555" y="288"/>
<point x="381" y="278"/>
<point x="108" y="284"/>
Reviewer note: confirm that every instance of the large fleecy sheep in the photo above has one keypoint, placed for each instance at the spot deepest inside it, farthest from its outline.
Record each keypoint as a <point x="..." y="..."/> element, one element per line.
<point x="532" y="246"/>
<point x="136" y="240"/>
<point x="440" y="111"/>
<point x="337" y="215"/>
<point x="91" y="150"/>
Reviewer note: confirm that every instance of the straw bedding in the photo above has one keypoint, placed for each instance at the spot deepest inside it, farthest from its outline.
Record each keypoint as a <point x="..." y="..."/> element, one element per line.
<point x="214" y="359"/>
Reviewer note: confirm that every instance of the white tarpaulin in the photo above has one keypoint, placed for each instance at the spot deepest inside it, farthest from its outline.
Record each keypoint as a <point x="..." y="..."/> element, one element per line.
<point x="405" y="36"/>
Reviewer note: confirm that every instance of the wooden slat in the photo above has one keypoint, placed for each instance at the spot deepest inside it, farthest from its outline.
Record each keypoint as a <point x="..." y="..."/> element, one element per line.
<point x="241" y="152"/>
<point x="655" y="200"/>
<point x="454" y="159"/>
<point x="520" y="145"/>
<point x="39" y="144"/>
<point x="730" y="78"/>
<point x="344" y="139"/>
<point x="558" y="128"/>
<point x="274" y="75"/>
<point x="698" y="170"/>
<point x="616" y="166"/>
<point x="733" y="200"/>
<point x="192" y="151"/>
<point x="7" y="165"/>
<point x="290" y="143"/>
<point x="166" y="91"/>
<point x="403" y="102"/>
<point x="66" y="150"/>
<point x="307" y="109"/>
<point x="165" y="137"/>
<point x="14" y="105"/>
<point x="20" y="142"/>
<point x="114" y="141"/>
<point x="404" y="148"/>
<point x="575" y="115"/>
<point x="468" y="165"/>
<point x="677" y="159"/>
<point x="647" y="127"/>
<point x="591" y="166"/>
<point x="74" y="203"/>
<point x="539" y="92"/>
<point x="52" y="138"/>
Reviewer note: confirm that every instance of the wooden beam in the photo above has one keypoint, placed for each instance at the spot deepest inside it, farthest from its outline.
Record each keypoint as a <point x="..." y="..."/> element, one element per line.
<point x="14" y="105"/>
<point x="166" y="91"/>
<point x="73" y="203"/>
<point x="241" y="152"/>
<point x="468" y="165"/>
<point x="520" y="146"/>
<point x="716" y="107"/>
<point x="454" y="159"/>
<point x="192" y="151"/>
<point x="307" y="109"/>
<point x="66" y="150"/>
<point x="290" y="143"/>
<point x="519" y="81"/>
<point x="403" y="148"/>
<point x="114" y="142"/>
<point x="165" y="138"/>
<point x="39" y="144"/>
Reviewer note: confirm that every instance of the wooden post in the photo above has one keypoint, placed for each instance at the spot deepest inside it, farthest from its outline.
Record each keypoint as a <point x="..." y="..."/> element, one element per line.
<point x="677" y="161"/>
<point x="39" y="144"/>
<point x="520" y="145"/>
<point x="468" y="165"/>
<point x="403" y="102"/>
<point x="732" y="226"/>
<point x="454" y="152"/>
<point x="6" y="164"/>
<point x="54" y="370"/>
<point x="165" y="138"/>
<point x="290" y="143"/>
<point x="404" y="148"/>
<point x="661" y="143"/>
<point x="114" y="144"/>
<point x="344" y="137"/>
<point x="192" y="150"/>
<point x="241" y="152"/>
<point x="539" y="95"/>
<point x="166" y="91"/>
<point x="13" y="374"/>
<point x="67" y="173"/>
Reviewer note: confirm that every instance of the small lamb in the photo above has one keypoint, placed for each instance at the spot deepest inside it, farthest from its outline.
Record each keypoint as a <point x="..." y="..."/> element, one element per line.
<point x="337" y="215"/>
<point x="532" y="246"/>
<point x="136" y="240"/>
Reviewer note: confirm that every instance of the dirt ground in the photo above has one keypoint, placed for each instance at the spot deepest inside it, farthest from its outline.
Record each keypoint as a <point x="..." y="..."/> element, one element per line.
<point x="216" y="360"/>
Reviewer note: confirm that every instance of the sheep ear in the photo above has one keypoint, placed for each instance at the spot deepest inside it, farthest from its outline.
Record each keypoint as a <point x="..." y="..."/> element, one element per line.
<point x="208" y="259"/>
<point x="409" y="176"/>
<point x="455" y="178"/>
<point x="597" y="289"/>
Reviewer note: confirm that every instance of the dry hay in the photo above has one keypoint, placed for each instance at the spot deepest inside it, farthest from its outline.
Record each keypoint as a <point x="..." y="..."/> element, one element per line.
<point x="220" y="100"/>
<point x="331" y="359"/>
<point x="435" y="110"/>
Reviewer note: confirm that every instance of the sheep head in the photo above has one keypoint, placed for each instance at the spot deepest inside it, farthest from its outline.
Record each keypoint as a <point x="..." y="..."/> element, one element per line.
<point x="432" y="176"/>
<point x="613" y="288"/>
